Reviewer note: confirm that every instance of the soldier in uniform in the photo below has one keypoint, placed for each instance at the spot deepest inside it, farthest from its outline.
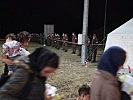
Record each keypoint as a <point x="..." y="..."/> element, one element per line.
<point x="52" y="39"/>
<point x="58" y="42"/>
<point x="63" y="39"/>
<point x="66" y="42"/>
<point x="37" y="38"/>
<point x="89" y="48"/>
<point x="55" y="40"/>
<point x="48" y="40"/>
<point x="94" y="47"/>
<point x="41" y="38"/>
<point x="74" y="40"/>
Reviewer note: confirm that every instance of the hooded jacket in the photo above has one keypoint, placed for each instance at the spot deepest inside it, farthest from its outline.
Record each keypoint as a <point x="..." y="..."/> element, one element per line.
<point x="23" y="84"/>
<point x="26" y="82"/>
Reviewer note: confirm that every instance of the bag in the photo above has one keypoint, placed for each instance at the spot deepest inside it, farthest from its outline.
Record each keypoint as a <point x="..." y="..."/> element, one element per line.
<point x="125" y="96"/>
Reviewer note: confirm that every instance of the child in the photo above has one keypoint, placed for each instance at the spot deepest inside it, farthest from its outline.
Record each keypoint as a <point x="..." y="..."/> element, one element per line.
<point x="84" y="92"/>
<point x="11" y="50"/>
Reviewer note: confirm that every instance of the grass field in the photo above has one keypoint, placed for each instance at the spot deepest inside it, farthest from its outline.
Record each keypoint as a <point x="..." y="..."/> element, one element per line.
<point x="70" y="75"/>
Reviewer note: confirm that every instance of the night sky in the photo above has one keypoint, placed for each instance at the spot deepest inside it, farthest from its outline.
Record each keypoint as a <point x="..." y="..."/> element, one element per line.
<point x="31" y="15"/>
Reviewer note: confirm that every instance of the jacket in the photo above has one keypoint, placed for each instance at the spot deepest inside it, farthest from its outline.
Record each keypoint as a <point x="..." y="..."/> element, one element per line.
<point x="16" y="88"/>
<point x="104" y="86"/>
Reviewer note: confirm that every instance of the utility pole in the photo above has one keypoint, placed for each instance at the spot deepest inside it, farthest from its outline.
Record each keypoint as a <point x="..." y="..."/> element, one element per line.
<point x="105" y="23"/>
<point x="84" y="31"/>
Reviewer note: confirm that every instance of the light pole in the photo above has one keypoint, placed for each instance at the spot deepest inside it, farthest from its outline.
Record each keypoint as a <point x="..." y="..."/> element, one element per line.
<point x="105" y="19"/>
<point x="84" y="31"/>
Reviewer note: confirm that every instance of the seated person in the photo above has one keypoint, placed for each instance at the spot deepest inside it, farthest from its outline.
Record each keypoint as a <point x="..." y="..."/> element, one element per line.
<point x="84" y="92"/>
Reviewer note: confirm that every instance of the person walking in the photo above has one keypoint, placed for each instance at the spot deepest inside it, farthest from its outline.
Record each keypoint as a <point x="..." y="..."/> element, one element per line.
<point x="28" y="80"/>
<point x="23" y="39"/>
<point x="105" y="86"/>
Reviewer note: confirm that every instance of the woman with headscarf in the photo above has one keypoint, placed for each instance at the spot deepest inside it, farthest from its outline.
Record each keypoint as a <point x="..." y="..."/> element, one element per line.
<point x="104" y="83"/>
<point x="28" y="80"/>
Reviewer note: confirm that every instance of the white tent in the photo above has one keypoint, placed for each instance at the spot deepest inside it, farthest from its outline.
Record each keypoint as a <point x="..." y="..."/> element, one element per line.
<point x="123" y="37"/>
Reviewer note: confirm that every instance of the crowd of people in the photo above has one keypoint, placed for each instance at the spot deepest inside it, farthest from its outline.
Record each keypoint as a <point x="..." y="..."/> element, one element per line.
<point x="64" y="42"/>
<point x="39" y="38"/>
<point x="28" y="71"/>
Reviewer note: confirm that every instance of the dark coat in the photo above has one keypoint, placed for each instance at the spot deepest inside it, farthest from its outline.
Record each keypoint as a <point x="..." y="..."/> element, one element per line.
<point x="18" y="84"/>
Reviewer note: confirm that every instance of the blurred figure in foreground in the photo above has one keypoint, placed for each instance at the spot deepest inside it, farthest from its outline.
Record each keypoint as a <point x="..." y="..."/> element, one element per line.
<point x="28" y="80"/>
<point x="84" y="92"/>
<point x="104" y="83"/>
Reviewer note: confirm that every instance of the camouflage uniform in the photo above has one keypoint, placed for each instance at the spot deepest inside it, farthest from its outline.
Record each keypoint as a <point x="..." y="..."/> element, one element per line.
<point x="37" y="38"/>
<point x="55" y="40"/>
<point x="58" y="42"/>
<point x="41" y="38"/>
<point x="65" y="43"/>
<point x="74" y="40"/>
<point x="89" y="48"/>
<point x="52" y="39"/>
<point x="63" y="39"/>
<point x="48" y="40"/>
<point x="94" y="48"/>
